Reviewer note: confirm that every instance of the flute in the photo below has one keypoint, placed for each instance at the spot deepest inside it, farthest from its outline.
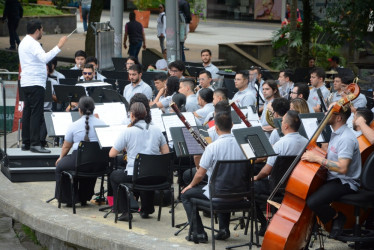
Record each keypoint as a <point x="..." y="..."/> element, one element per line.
<point x="201" y="140"/>
<point x="240" y="114"/>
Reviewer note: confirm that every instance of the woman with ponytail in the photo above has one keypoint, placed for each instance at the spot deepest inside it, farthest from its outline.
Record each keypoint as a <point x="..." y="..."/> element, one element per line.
<point x="140" y="137"/>
<point x="80" y="130"/>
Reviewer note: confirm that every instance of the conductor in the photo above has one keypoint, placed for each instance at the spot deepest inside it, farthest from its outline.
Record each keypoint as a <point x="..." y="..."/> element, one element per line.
<point x="33" y="82"/>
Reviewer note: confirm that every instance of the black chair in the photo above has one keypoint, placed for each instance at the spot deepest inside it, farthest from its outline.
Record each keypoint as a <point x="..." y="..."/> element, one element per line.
<point x="92" y="161"/>
<point x="151" y="173"/>
<point x="369" y="98"/>
<point x="363" y="199"/>
<point x="229" y="84"/>
<point x="120" y="75"/>
<point x="231" y="183"/>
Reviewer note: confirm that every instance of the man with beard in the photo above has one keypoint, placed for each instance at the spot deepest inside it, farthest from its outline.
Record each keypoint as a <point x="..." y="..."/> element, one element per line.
<point x="33" y="60"/>
<point x="206" y="57"/>
<point x="137" y="85"/>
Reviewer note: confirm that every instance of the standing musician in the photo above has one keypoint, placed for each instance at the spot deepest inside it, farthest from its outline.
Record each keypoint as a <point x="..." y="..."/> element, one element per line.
<point x="80" y="130"/>
<point x="140" y="137"/>
<point x="290" y="144"/>
<point x="33" y="60"/>
<point x="344" y="168"/>
<point x="317" y="78"/>
<point x="224" y="148"/>
<point x="244" y="97"/>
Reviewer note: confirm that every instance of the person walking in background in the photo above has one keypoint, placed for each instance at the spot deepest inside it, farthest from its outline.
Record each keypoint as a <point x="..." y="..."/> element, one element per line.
<point x="161" y="26"/>
<point x="135" y="31"/>
<point x="13" y="12"/>
<point x="86" y="7"/>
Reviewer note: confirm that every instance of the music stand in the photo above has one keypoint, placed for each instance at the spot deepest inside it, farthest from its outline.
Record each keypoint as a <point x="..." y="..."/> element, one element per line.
<point x="101" y="95"/>
<point x="71" y="73"/>
<point x="49" y="116"/>
<point x="309" y="131"/>
<point x="66" y="93"/>
<point x="254" y="144"/>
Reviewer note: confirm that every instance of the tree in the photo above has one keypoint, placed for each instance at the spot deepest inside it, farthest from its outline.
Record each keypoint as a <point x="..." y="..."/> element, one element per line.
<point x="293" y="58"/>
<point x="95" y="15"/>
<point x="305" y="33"/>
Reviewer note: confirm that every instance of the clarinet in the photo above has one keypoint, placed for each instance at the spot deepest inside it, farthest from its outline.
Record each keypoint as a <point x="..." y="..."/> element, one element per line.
<point x="240" y="114"/>
<point x="201" y="140"/>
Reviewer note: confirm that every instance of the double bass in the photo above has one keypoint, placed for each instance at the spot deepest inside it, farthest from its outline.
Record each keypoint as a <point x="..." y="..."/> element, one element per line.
<point x="291" y="226"/>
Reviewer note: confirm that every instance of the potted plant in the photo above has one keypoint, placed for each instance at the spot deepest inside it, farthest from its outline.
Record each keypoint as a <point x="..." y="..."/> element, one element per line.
<point x="142" y="13"/>
<point x="198" y="10"/>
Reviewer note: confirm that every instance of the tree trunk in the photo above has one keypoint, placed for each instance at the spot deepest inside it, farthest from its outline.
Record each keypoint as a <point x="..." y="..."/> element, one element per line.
<point x="292" y="51"/>
<point x="306" y="33"/>
<point x="95" y="15"/>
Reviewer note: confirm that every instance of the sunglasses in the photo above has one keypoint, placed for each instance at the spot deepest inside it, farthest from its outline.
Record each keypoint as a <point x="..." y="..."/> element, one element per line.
<point x="87" y="73"/>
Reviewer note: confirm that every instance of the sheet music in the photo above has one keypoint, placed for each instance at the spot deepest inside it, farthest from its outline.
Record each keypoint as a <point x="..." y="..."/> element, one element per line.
<point x="108" y="135"/>
<point x="248" y="151"/>
<point x="61" y="122"/>
<point x="93" y="84"/>
<point x="171" y="121"/>
<point x="310" y="126"/>
<point x="252" y="117"/>
<point x="193" y="147"/>
<point x="112" y="113"/>
<point x="156" y="118"/>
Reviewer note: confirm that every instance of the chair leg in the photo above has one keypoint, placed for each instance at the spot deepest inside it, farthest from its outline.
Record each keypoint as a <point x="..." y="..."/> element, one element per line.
<point x="116" y="205"/>
<point x="101" y="190"/>
<point x="194" y="219"/>
<point x="172" y="208"/>
<point x="212" y="225"/>
<point x="60" y="191"/>
<point x="247" y="222"/>
<point x="72" y="193"/>
<point x="160" y="206"/>
<point x="128" y="193"/>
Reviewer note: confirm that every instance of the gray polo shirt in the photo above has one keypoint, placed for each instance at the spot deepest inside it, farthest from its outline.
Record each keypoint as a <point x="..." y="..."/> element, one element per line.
<point x="274" y="137"/>
<point x="360" y="101"/>
<point x="343" y="144"/>
<point x="141" y="87"/>
<point x="244" y="98"/>
<point x="213" y="70"/>
<point x="76" y="131"/>
<point x="165" y="101"/>
<point x="224" y="148"/>
<point x="313" y="96"/>
<point x="203" y="112"/>
<point x="191" y="103"/>
<point x="139" y="138"/>
<point x="290" y="144"/>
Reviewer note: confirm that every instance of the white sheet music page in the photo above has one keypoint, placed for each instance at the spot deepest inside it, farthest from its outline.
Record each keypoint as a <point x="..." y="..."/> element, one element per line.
<point x="61" y="121"/>
<point x="108" y="135"/>
<point x="93" y="84"/>
<point x="171" y="121"/>
<point x="252" y="117"/>
<point x="249" y="154"/>
<point x="156" y="118"/>
<point x="111" y="113"/>
<point x="310" y="126"/>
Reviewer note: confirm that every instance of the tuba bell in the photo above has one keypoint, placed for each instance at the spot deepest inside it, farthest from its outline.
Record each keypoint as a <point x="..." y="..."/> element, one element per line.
<point x="269" y="116"/>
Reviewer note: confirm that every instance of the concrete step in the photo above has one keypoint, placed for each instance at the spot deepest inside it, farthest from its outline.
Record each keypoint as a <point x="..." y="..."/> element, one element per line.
<point x="8" y="238"/>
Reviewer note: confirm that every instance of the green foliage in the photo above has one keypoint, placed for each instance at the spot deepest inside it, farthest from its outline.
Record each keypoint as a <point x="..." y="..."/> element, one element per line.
<point x="39" y="10"/>
<point x="31" y="234"/>
<point x="198" y="8"/>
<point x="9" y="60"/>
<point x="60" y="3"/>
<point x="279" y="62"/>
<point x="142" y="4"/>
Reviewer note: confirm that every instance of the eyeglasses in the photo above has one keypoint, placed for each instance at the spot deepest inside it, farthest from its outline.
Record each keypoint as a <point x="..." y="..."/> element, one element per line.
<point x="87" y="73"/>
<point x="201" y="79"/>
<point x="295" y="93"/>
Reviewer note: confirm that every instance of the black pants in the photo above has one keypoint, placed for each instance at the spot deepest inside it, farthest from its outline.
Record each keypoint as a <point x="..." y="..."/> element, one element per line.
<point x="319" y="202"/>
<point x="119" y="176"/>
<point x="43" y="131"/>
<point x="261" y="187"/>
<point x="13" y="36"/>
<point x="84" y="187"/>
<point x="32" y="115"/>
<point x="198" y="192"/>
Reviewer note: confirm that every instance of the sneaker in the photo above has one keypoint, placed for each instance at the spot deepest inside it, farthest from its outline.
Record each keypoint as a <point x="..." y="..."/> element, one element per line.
<point x="337" y="225"/>
<point x="11" y="48"/>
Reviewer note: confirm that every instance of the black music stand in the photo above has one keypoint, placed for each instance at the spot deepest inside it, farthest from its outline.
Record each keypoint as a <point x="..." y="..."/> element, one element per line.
<point x="186" y="146"/>
<point x="323" y="104"/>
<point x="326" y="133"/>
<point x="71" y="73"/>
<point x="66" y="93"/>
<point x="102" y="95"/>
<point x="254" y="144"/>
<point x="194" y="70"/>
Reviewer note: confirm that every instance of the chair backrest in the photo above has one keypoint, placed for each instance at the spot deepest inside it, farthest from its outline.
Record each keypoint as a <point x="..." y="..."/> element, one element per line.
<point x="230" y="179"/>
<point x="152" y="169"/>
<point x="71" y="73"/>
<point x="280" y="167"/>
<point x="368" y="173"/>
<point x="229" y="84"/>
<point x="91" y="159"/>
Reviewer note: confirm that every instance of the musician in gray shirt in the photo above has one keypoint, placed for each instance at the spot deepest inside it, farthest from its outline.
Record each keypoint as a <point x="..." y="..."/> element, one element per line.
<point x="205" y="100"/>
<point x="186" y="87"/>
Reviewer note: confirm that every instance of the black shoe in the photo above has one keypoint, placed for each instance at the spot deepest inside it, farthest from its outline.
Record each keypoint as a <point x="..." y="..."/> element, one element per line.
<point x="25" y="147"/>
<point x="363" y="245"/>
<point x="337" y="225"/>
<point x="144" y="215"/>
<point x="11" y="48"/>
<point x="262" y="230"/>
<point x="39" y="149"/>
<point x="125" y="217"/>
<point x="201" y="238"/>
<point x="222" y="234"/>
<point x="83" y="203"/>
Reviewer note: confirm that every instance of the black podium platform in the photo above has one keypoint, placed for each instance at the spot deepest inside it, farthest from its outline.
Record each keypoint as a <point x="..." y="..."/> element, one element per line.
<point x="25" y="166"/>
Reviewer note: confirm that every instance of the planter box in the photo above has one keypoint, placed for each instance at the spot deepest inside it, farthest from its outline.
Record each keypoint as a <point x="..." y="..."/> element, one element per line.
<point x="67" y="24"/>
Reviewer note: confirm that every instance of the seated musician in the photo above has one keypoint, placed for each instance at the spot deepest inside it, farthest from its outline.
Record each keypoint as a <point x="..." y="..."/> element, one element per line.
<point x="96" y="76"/>
<point x="219" y="94"/>
<point x="270" y="91"/>
<point x="290" y="144"/>
<point x="279" y="106"/>
<point x="165" y="95"/>
<point x="244" y="97"/>
<point x="344" y="168"/>
<point x="137" y="85"/>
<point x="80" y="60"/>
<point x="140" y="137"/>
<point x="186" y="87"/>
<point x="224" y="148"/>
<point x="80" y="130"/>
<point x="205" y="100"/>
<point x="362" y="121"/>
<point x="317" y="78"/>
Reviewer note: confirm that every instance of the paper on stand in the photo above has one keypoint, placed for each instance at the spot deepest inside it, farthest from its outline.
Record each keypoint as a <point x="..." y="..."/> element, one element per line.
<point x="61" y="122"/>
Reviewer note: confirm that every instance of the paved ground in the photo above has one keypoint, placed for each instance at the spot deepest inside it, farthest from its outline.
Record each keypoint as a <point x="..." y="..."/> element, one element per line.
<point x="25" y="202"/>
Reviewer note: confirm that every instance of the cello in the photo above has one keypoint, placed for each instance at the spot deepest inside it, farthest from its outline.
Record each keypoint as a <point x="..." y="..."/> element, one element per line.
<point x="291" y="225"/>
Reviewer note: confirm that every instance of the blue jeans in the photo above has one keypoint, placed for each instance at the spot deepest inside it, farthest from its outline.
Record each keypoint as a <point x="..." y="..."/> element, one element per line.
<point x="134" y="49"/>
<point x="85" y="16"/>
